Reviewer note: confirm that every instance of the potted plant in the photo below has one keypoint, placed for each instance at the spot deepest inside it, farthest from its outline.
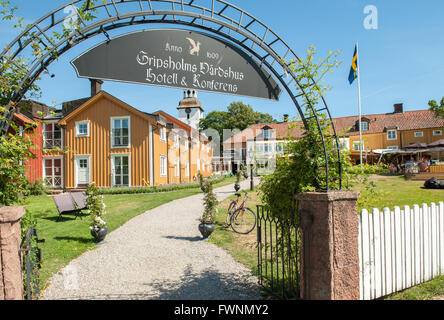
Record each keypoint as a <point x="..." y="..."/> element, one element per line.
<point x="206" y="226"/>
<point x="201" y="181"/>
<point x="96" y="209"/>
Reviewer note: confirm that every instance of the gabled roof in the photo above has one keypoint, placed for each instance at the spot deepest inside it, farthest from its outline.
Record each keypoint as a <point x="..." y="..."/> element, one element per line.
<point x="23" y="118"/>
<point x="408" y="120"/>
<point x="281" y="131"/>
<point x="106" y="95"/>
<point x="180" y="123"/>
<point x="346" y="126"/>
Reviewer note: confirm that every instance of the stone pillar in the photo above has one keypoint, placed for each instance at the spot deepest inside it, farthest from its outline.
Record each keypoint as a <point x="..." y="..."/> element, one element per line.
<point x="11" y="282"/>
<point x="329" y="250"/>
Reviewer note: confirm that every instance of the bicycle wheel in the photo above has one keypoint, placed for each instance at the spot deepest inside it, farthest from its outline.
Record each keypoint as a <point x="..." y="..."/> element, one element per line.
<point x="243" y="221"/>
<point x="231" y="209"/>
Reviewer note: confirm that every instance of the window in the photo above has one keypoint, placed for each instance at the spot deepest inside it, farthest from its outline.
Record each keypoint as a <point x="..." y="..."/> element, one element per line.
<point x="120" y="132"/>
<point x="266" y="133"/>
<point x="177" y="168"/>
<point x="82" y="129"/>
<point x="187" y="169"/>
<point x="391" y="135"/>
<point x="364" y="126"/>
<point x="393" y="147"/>
<point x="163" y="166"/>
<point x="198" y="164"/>
<point x="437" y="132"/>
<point x="176" y="141"/>
<point x="203" y="166"/>
<point x="52" y="136"/>
<point x="121" y="170"/>
<point x="266" y="147"/>
<point x="419" y="134"/>
<point x="52" y="173"/>
<point x="357" y="146"/>
<point x="163" y="134"/>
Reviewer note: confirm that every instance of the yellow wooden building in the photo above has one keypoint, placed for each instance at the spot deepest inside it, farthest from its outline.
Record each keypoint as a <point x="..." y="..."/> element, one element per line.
<point x="113" y="144"/>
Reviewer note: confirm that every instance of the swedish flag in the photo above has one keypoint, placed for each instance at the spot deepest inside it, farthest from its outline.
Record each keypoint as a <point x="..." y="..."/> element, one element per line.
<point x="354" y="67"/>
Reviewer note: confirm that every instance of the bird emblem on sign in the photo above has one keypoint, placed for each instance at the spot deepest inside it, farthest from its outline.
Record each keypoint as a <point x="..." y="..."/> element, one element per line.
<point x="195" y="47"/>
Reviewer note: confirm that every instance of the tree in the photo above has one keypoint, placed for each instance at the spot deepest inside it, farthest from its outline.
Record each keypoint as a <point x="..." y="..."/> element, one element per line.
<point x="238" y="116"/>
<point x="16" y="149"/>
<point x="438" y="109"/>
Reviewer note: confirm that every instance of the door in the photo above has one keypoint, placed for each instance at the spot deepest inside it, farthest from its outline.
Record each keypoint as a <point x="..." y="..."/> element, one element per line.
<point x="121" y="176"/>
<point x="53" y="172"/>
<point x="83" y="170"/>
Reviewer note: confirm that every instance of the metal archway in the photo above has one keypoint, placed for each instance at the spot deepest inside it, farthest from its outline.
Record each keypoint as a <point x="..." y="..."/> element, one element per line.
<point x="214" y="16"/>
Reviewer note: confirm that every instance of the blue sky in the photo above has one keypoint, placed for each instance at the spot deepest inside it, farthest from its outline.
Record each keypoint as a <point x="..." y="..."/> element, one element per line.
<point x="401" y="61"/>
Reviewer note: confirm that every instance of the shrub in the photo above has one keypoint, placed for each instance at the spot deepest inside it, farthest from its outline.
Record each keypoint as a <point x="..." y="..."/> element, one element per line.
<point x="37" y="188"/>
<point x="96" y="207"/>
<point x="210" y="203"/>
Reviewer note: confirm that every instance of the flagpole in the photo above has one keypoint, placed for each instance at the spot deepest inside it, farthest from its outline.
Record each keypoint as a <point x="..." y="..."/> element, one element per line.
<point x="359" y="100"/>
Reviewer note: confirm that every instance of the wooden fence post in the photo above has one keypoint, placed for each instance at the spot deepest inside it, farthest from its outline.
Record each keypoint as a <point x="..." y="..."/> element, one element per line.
<point x="11" y="281"/>
<point x="329" y="255"/>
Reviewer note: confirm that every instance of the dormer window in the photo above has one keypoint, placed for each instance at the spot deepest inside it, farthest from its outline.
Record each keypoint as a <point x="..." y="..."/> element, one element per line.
<point x="365" y="124"/>
<point x="266" y="132"/>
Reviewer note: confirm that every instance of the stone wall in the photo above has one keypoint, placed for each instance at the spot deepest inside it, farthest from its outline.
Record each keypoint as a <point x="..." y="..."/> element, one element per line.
<point x="11" y="281"/>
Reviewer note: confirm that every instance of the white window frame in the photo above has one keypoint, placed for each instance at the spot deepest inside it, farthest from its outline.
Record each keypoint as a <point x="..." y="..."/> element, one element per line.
<point x="435" y="132"/>
<point x="53" y="123"/>
<point x="388" y="135"/>
<point x="177" y="168"/>
<point x="266" y="133"/>
<point x="163" y="166"/>
<point x="187" y="169"/>
<point x="356" y="143"/>
<point x="365" y="126"/>
<point x="113" y="156"/>
<point x="163" y="134"/>
<point x="176" y="141"/>
<point x="78" y="134"/>
<point x="76" y="167"/>
<point x="419" y="134"/>
<point x="393" y="147"/>
<point x="112" y="130"/>
<point x="62" y="169"/>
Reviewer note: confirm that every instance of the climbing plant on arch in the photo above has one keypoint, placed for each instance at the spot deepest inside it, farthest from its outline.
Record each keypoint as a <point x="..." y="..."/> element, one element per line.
<point x="76" y="21"/>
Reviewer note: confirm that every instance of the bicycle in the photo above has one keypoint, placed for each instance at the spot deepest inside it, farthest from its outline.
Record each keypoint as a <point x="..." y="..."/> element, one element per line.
<point x="231" y="209"/>
<point x="243" y="219"/>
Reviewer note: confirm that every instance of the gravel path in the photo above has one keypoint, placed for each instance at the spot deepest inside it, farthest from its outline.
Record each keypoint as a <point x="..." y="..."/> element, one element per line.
<point x="158" y="255"/>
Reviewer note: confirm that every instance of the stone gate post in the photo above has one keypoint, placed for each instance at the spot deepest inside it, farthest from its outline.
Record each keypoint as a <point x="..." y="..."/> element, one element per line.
<point x="329" y="250"/>
<point x="11" y="281"/>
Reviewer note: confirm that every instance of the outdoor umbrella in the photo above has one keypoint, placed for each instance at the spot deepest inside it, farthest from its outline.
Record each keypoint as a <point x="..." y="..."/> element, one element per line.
<point x="439" y="143"/>
<point x="415" y="146"/>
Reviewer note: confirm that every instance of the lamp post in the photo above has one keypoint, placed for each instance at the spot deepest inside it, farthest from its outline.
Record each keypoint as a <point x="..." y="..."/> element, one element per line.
<point x="251" y="177"/>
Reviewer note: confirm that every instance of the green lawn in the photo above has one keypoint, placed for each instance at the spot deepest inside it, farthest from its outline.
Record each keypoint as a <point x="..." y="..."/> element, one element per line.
<point x="397" y="191"/>
<point x="69" y="238"/>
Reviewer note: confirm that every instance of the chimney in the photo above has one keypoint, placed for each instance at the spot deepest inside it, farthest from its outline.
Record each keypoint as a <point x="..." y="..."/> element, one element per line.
<point x="399" y="108"/>
<point x="285" y="117"/>
<point x="96" y="86"/>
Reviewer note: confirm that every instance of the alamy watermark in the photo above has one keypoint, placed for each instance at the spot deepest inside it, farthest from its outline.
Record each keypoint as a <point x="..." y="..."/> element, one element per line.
<point x="371" y="19"/>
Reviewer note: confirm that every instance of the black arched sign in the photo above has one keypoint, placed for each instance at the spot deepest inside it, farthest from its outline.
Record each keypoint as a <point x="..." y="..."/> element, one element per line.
<point x="179" y="59"/>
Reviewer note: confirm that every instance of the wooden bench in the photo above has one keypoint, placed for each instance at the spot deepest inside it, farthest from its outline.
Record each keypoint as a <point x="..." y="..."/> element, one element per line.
<point x="69" y="203"/>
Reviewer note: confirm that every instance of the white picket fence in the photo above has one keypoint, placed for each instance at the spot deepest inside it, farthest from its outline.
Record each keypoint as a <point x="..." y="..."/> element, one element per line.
<point x="400" y="249"/>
